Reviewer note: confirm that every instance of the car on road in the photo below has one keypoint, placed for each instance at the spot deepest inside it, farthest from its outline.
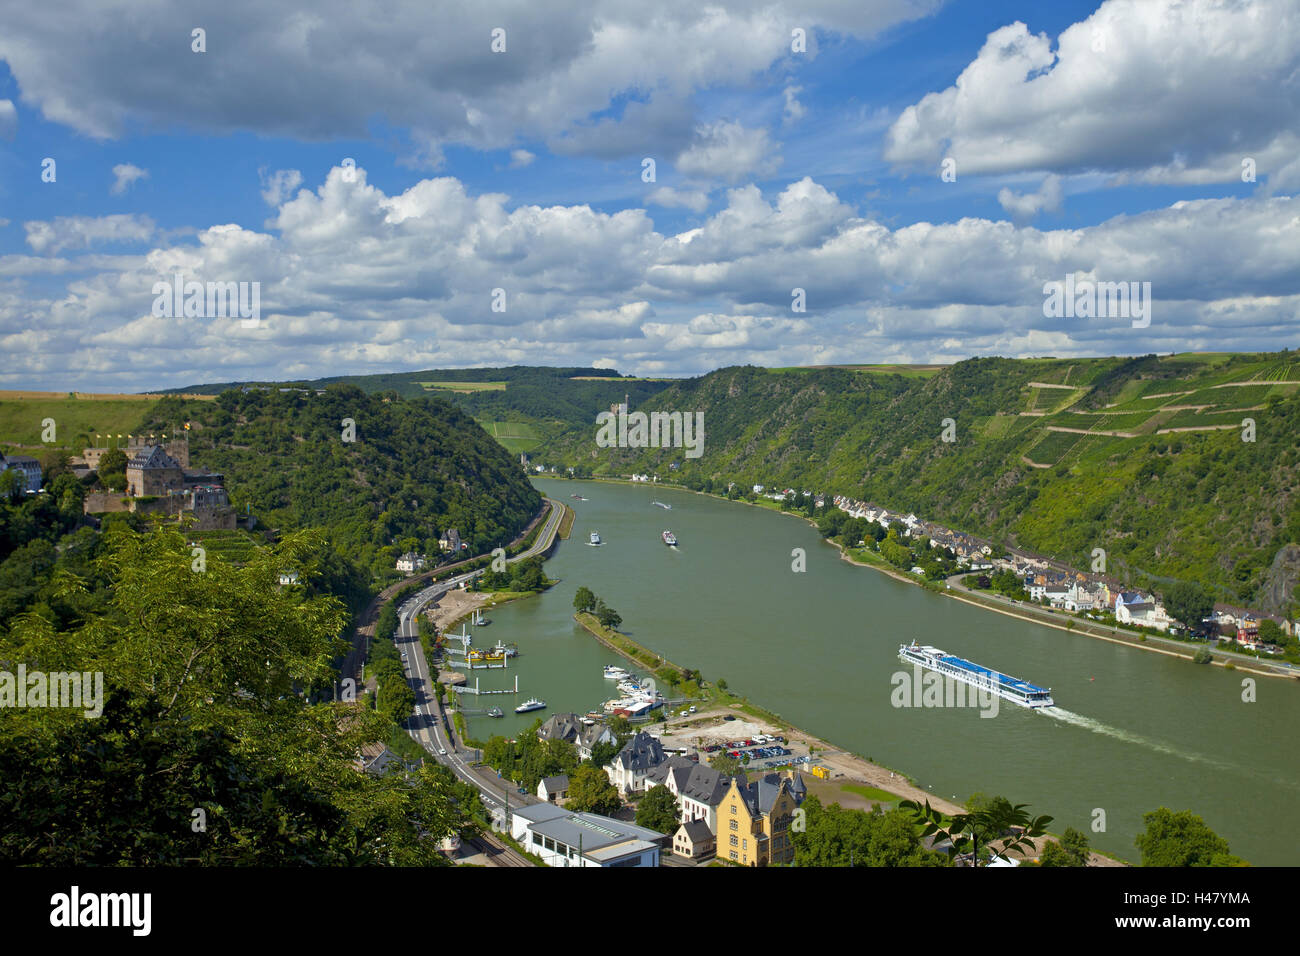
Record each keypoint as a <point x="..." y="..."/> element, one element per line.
<point x="403" y="655"/>
<point x="691" y="710"/>
<point x="442" y="751"/>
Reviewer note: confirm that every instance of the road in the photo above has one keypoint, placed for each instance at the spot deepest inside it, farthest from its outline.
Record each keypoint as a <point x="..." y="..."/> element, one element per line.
<point x="429" y="725"/>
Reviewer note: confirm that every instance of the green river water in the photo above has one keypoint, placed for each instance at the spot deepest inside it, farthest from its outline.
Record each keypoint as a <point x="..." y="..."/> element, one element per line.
<point x="1132" y="730"/>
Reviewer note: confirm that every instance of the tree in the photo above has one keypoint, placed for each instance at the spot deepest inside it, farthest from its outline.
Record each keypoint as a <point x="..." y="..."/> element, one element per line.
<point x="833" y="836"/>
<point x="112" y="469"/>
<point x="603" y="753"/>
<point x="1270" y="632"/>
<point x="658" y="810"/>
<point x="204" y="711"/>
<point x="590" y="791"/>
<point x="1072" y="850"/>
<point x="1188" y="603"/>
<point x="584" y="600"/>
<point x="995" y="825"/>
<point x="1181" y="839"/>
<point x="609" y="618"/>
<point x="724" y="763"/>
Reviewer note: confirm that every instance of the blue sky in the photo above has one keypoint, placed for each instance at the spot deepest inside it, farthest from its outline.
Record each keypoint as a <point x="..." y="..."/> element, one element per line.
<point x="1102" y="139"/>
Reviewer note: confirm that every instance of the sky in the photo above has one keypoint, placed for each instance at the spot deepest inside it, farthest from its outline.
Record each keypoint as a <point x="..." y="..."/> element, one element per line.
<point x="662" y="189"/>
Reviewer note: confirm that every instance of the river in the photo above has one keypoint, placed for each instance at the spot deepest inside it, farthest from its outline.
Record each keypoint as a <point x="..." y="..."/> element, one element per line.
<point x="1132" y="730"/>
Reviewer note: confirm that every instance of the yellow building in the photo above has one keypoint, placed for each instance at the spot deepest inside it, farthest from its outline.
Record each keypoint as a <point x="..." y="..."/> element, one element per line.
<point x="754" y="819"/>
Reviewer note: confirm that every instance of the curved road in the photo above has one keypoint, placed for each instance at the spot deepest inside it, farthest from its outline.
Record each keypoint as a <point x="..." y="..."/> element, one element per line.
<point x="429" y="725"/>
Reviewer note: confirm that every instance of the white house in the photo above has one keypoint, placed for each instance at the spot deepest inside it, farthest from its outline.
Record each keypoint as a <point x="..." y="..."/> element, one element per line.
<point x="553" y="789"/>
<point x="410" y="562"/>
<point x="698" y="788"/>
<point x="629" y="768"/>
<point x="563" y="838"/>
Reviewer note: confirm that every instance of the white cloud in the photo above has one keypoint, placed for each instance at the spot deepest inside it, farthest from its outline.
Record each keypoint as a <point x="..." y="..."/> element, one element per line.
<point x="355" y="280"/>
<point x="519" y="158"/>
<point x="8" y="119"/>
<point x="279" y="185"/>
<point x="1153" y="90"/>
<point x="694" y="199"/>
<point x="77" y="232"/>
<point x="426" y="69"/>
<point x="793" y="110"/>
<point x="726" y="150"/>
<point x="124" y="174"/>
<point x="1024" y="206"/>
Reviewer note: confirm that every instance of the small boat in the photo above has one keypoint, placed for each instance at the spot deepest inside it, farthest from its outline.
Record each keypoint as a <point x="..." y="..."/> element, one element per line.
<point x="614" y="672"/>
<point x="496" y="712"/>
<point x="505" y="650"/>
<point x="479" y="620"/>
<point x="577" y="497"/>
<point x="595" y="538"/>
<point x="532" y="703"/>
<point x="662" y="505"/>
<point x="670" y="539"/>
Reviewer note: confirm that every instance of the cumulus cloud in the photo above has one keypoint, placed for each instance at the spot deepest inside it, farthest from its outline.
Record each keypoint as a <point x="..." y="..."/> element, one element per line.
<point x="1028" y="205"/>
<point x="726" y="150"/>
<point x="8" y="119"/>
<point x="79" y="232"/>
<point x="426" y="68"/>
<point x="279" y="185"/>
<point x="519" y="158"/>
<point x="694" y="199"/>
<point x="793" y="110"/>
<point x="1168" y="91"/>
<point x="124" y="174"/>
<point x="354" y="279"/>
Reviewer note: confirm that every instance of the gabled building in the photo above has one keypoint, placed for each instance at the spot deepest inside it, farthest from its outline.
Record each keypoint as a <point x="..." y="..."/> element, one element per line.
<point x="450" y="541"/>
<point x="570" y="727"/>
<point x="410" y="563"/>
<point x="754" y="819"/>
<point x="554" y="789"/>
<point x="629" y="768"/>
<point x="28" y="467"/>
<point x="695" y="841"/>
<point x="153" y="472"/>
<point x="698" y="788"/>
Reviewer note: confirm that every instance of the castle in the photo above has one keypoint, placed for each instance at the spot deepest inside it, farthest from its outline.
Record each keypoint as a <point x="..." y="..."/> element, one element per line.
<point x="160" y="481"/>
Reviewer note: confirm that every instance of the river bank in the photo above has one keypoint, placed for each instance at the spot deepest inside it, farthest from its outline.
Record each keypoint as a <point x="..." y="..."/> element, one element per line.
<point x="1082" y="626"/>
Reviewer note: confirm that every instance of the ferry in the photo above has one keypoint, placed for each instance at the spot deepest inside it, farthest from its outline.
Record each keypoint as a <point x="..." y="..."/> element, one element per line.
<point x="1005" y="686"/>
<point x="614" y="672"/>
<point x="595" y="537"/>
<point x="531" y="703"/>
<point x="670" y="539"/>
<point x="496" y="712"/>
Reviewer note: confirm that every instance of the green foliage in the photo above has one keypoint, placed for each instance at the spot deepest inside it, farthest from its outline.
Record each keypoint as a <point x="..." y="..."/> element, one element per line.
<point x="1072" y="850"/>
<point x="724" y="763"/>
<point x="1197" y="506"/>
<point x="203" y="711"/>
<point x="417" y="468"/>
<point x="590" y="791"/>
<point x="1181" y="839"/>
<point x="112" y="469"/>
<point x="658" y="810"/>
<point x="584" y="600"/>
<point x="993" y="824"/>
<point x="1188" y="603"/>
<point x="833" y="836"/>
<point x="527" y="759"/>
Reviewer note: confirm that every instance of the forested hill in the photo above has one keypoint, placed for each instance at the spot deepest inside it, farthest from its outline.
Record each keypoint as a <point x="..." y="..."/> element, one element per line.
<point x="537" y="394"/>
<point x="1142" y="457"/>
<point x="416" y="467"/>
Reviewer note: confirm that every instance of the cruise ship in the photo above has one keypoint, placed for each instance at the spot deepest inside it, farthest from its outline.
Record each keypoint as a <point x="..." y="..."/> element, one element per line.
<point x="531" y="703"/>
<point x="1008" y="688"/>
<point x="670" y="539"/>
